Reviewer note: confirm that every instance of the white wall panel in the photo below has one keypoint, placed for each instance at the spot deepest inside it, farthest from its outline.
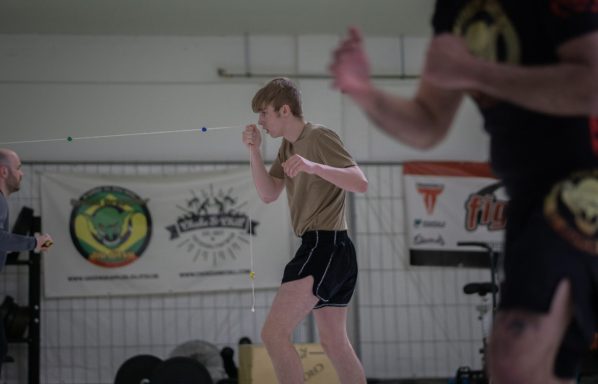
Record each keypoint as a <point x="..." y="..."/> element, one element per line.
<point x="32" y="58"/>
<point x="415" y="49"/>
<point x="385" y="55"/>
<point x="270" y="55"/>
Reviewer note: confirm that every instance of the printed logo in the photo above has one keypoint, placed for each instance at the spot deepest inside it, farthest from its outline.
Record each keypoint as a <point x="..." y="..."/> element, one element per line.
<point x="490" y="35"/>
<point x="212" y="227"/>
<point x="430" y="193"/>
<point x="488" y="31"/>
<point x="483" y="208"/>
<point x="423" y="240"/>
<point x="420" y="223"/>
<point x="110" y="226"/>
<point x="571" y="208"/>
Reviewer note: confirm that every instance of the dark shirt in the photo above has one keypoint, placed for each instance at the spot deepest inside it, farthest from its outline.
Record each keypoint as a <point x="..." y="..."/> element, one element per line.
<point x="529" y="150"/>
<point x="10" y="242"/>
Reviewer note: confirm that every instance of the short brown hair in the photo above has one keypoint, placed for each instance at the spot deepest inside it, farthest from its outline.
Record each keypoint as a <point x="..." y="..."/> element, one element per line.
<point x="278" y="92"/>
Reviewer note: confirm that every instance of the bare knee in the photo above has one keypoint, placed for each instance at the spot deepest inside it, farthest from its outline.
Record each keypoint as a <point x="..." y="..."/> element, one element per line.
<point x="509" y="357"/>
<point x="522" y="348"/>
<point x="273" y="336"/>
<point x="504" y="367"/>
<point x="335" y="343"/>
<point x="524" y="344"/>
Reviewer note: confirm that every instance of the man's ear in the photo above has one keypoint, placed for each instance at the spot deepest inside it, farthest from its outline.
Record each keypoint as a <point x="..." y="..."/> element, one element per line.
<point x="3" y="170"/>
<point x="285" y="110"/>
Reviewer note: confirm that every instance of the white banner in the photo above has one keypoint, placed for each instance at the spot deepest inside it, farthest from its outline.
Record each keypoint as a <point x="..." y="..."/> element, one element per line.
<point x="448" y="203"/>
<point x="122" y="235"/>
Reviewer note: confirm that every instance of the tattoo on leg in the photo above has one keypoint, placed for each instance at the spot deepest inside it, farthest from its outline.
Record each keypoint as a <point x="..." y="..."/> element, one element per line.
<point x="517" y="326"/>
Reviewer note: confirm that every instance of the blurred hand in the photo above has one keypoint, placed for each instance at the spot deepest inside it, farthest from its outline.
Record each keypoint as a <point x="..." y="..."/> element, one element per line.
<point x="43" y="242"/>
<point x="350" y="66"/>
<point x="297" y="164"/>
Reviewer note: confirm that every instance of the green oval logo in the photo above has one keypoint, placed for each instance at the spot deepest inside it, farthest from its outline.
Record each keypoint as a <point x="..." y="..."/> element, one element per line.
<point x="110" y="226"/>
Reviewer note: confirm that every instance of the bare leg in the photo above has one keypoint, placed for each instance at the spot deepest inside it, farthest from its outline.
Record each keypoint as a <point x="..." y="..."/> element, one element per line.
<point x="332" y="327"/>
<point x="292" y="303"/>
<point x="523" y="345"/>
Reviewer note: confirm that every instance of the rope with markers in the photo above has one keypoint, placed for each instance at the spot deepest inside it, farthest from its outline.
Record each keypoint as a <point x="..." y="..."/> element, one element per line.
<point x="202" y="129"/>
<point x="251" y="272"/>
<point x="76" y="138"/>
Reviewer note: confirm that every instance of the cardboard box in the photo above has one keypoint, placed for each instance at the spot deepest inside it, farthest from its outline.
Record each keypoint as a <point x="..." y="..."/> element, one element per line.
<point x="255" y="366"/>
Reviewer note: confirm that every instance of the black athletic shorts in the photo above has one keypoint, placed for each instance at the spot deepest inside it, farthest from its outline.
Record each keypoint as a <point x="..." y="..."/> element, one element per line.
<point x="328" y="256"/>
<point x="548" y="240"/>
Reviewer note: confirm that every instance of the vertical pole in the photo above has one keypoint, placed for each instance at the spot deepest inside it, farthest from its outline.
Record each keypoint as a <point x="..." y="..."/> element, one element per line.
<point x="35" y="311"/>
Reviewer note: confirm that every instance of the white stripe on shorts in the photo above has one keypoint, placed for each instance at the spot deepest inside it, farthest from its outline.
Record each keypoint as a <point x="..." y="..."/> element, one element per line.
<point x="310" y="253"/>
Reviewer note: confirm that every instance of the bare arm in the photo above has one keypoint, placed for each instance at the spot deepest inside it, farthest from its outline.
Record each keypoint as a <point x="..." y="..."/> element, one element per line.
<point x="567" y="88"/>
<point x="268" y="187"/>
<point x="351" y="179"/>
<point x="420" y="122"/>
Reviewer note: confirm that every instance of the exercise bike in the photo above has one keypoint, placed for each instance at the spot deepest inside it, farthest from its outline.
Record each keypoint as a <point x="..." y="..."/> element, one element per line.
<point x="466" y="375"/>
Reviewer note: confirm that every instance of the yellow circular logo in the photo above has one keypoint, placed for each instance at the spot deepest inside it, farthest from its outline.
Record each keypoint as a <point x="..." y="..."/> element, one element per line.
<point x="488" y="31"/>
<point x="571" y="208"/>
<point x="110" y="226"/>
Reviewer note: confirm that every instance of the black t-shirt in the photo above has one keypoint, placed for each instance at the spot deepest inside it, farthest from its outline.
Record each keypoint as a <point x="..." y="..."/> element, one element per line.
<point x="528" y="150"/>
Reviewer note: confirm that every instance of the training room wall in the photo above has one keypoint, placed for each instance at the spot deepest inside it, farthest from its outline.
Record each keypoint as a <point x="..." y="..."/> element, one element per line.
<point x="55" y="87"/>
<point x="410" y="322"/>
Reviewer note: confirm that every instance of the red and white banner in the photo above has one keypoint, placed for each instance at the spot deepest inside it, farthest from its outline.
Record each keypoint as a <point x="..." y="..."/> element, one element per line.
<point x="448" y="203"/>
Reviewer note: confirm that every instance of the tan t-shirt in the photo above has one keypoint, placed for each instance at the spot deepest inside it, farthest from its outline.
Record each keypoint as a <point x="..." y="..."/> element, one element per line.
<point x="315" y="203"/>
